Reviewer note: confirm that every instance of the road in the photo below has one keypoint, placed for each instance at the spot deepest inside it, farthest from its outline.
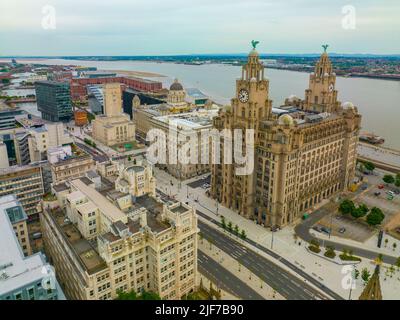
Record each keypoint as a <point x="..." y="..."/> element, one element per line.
<point x="224" y="279"/>
<point x="303" y="231"/>
<point x="287" y="284"/>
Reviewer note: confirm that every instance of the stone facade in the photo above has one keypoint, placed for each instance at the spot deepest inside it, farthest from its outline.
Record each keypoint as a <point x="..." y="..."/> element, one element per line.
<point x="305" y="151"/>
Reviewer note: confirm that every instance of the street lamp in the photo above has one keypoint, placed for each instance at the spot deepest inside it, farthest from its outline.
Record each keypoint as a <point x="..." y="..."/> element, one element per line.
<point x="273" y="229"/>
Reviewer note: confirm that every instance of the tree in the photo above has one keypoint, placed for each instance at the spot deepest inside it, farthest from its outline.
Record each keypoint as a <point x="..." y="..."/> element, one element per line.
<point x="365" y="275"/>
<point x="386" y="242"/>
<point x="369" y="166"/>
<point x="394" y="246"/>
<point x="398" y="262"/>
<point x="356" y="274"/>
<point x="375" y="217"/>
<point x="347" y="206"/>
<point x="388" y="178"/>
<point x="236" y="229"/>
<point x="129" y="158"/>
<point x="230" y="226"/>
<point x="243" y="235"/>
<point x="223" y="222"/>
<point x="397" y="182"/>
<point x="359" y="212"/>
<point x="5" y="81"/>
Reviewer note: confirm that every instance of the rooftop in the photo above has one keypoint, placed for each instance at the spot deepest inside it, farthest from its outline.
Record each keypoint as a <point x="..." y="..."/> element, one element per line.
<point x="84" y="250"/>
<point x="16" y="270"/>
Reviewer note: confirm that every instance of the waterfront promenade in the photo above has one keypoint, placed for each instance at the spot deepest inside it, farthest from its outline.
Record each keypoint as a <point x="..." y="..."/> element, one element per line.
<point x="383" y="158"/>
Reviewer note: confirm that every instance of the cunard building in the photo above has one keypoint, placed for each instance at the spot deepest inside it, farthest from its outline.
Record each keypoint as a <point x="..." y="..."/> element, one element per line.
<point x="305" y="150"/>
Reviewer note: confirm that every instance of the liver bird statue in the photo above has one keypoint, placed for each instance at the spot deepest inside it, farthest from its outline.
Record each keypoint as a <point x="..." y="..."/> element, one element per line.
<point x="254" y="43"/>
<point x="325" y="46"/>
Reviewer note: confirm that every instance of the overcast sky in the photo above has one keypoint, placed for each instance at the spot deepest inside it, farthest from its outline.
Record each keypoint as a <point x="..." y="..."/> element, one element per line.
<point x="140" y="27"/>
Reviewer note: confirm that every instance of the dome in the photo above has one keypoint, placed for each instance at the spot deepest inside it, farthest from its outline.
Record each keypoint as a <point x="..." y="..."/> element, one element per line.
<point x="326" y="74"/>
<point x="176" y="86"/>
<point x="253" y="80"/>
<point x="293" y="97"/>
<point x="286" y="120"/>
<point x="348" y="105"/>
<point x="253" y="53"/>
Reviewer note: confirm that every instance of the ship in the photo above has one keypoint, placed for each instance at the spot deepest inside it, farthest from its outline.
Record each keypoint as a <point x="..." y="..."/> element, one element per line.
<point x="371" y="138"/>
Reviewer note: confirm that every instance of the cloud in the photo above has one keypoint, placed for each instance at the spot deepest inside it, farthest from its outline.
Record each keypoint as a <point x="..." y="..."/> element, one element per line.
<point x="120" y="27"/>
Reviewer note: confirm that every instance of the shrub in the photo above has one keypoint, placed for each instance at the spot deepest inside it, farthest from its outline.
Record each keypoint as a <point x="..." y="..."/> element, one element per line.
<point x="314" y="249"/>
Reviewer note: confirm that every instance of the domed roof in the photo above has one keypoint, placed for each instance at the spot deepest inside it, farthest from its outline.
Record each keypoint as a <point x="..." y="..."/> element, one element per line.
<point x="253" y="53"/>
<point x="176" y="86"/>
<point x="286" y="120"/>
<point x="348" y="105"/>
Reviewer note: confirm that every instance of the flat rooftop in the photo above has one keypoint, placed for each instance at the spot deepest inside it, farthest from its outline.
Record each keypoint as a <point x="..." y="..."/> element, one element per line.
<point x="82" y="248"/>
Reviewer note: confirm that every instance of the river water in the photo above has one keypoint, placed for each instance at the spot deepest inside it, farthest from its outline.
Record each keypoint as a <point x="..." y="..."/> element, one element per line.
<point x="377" y="100"/>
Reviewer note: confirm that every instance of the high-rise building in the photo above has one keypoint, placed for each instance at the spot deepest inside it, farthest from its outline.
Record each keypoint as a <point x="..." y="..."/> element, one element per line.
<point x="54" y="100"/>
<point x="114" y="127"/>
<point x="105" y="241"/>
<point x="26" y="182"/>
<point x="22" y="277"/>
<point x="304" y="153"/>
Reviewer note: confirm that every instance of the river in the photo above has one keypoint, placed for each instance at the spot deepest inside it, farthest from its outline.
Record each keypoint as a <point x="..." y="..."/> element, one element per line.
<point x="377" y="100"/>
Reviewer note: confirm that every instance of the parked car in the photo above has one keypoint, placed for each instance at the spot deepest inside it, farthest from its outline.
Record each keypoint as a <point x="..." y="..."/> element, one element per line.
<point x="326" y="230"/>
<point x="381" y="186"/>
<point x="317" y="228"/>
<point x="377" y="193"/>
<point x="342" y="230"/>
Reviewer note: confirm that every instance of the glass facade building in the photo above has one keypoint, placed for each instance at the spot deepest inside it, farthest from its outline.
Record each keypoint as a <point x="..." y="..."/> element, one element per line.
<point x="54" y="100"/>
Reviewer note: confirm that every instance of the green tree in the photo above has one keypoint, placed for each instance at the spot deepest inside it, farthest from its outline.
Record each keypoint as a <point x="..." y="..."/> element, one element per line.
<point x="131" y="295"/>
<point x="375" y="217"/>
<point x="398" y="262"/>
<point x="369" y="166"/>
<point x="230" y="226"/>
<point x="5" y="81"/>
<point x="356" y="274"/>
<point x="129" y="158"/>
<point x="394" y="246"/>
<point x="347" y="206"/>
<point x="388" y="178"/>
<point x="359" y="212"/>
<point x="223" y="222"/>
<point x="365" y="275"/>
<point x="243" y="235"/>
<point x="236" y="229"/>
<point x="149" y="295"/>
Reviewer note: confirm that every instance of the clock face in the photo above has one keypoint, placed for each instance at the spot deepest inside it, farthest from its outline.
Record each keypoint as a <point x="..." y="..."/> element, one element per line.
<point x="243" y="95"/>
<point x="331" y="87"/>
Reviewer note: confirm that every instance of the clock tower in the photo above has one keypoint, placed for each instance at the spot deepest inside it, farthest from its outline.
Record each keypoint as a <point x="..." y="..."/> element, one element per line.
<point x="251" y="102"/>
<point x="250" y="105"/>
<point x="321" y="95"/>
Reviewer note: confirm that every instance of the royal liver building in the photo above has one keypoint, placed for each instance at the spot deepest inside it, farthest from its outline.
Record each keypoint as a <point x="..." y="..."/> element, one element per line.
<point x="305" y="150"/>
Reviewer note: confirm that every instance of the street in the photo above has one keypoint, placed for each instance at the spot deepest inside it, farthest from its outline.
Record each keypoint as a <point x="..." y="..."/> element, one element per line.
<point x="224" y="279"/>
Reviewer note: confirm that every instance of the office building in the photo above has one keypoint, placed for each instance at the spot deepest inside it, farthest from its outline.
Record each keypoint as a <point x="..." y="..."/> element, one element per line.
<point x="304" y="153"/>
<point x="106" y="241"/>
<point x="54" y="100"/>
<point x="113" y="127"/>
<point x="26" y="182"/>
<point x="22" y="277"/>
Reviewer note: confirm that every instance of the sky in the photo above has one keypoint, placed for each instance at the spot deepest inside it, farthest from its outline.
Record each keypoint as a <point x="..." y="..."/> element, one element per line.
<point x="164" y="27"/>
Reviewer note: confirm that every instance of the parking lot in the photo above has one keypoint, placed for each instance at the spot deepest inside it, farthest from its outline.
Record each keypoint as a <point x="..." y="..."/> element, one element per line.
<point x="347" y="227"/>
<point x="205" y="180"/>
<point x="359" y="230"/>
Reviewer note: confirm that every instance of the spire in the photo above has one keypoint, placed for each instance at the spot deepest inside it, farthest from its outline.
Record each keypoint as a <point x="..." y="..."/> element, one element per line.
<point x="324" y="64"/>
<point x="253" y="68"/>
<point x="372" y="290"/>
